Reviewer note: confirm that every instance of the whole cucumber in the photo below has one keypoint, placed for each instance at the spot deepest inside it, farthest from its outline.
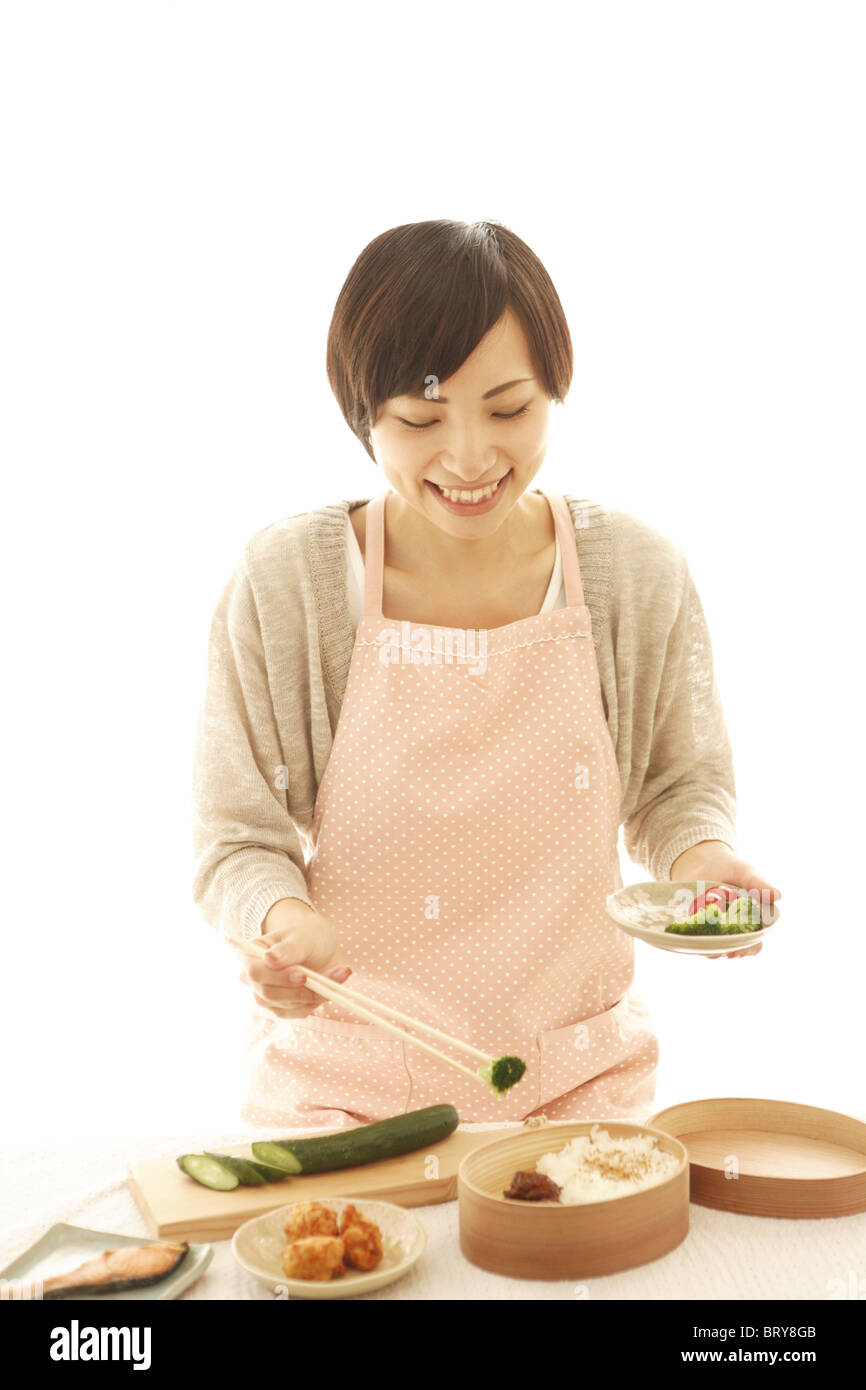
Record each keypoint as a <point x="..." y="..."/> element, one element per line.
<point x="400" y="1134"/>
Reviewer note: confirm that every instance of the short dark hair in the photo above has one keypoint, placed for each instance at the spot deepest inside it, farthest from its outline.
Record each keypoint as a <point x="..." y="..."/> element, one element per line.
<point x="420" y="298"/>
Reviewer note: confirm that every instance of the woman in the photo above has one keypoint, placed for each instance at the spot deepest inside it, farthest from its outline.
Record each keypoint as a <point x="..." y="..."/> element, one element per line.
<point x="428" y="714"/>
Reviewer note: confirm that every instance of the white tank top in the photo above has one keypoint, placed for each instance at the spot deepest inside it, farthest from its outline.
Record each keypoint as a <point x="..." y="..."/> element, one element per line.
<point x="554" y="598"/>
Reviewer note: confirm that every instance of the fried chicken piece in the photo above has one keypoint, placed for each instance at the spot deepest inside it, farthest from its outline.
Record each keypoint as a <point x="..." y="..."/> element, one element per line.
<point x="363" y="1245"/>
<point x="311" y="1219"/>
<point x="361" y="1238"/>
<point x="350" y="1216"/>
<point x="314" y="1257"/>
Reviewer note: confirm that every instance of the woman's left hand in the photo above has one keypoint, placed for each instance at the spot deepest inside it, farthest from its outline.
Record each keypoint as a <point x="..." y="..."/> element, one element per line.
<point x="716" y="863"/>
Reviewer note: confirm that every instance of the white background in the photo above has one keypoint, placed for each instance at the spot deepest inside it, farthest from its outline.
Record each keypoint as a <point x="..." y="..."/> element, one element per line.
<point x="185" y="188"/>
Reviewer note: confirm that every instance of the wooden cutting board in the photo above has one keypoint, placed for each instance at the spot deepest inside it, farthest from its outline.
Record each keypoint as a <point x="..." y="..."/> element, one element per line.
<point x="178" y="1208"/>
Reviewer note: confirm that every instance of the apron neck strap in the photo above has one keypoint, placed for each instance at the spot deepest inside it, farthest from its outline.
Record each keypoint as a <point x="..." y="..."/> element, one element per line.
<point x="374" y="556"/>
<point x="374" y="553"/>
<point x="568" y="550"/>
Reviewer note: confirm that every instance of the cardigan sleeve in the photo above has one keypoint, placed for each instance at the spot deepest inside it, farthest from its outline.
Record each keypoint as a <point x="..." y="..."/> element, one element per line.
<point x="687" y="792"/>
<point x="248" y="851"/>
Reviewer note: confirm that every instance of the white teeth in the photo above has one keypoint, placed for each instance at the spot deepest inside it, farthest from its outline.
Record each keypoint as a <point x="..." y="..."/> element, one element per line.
<point x="462" y="495"/>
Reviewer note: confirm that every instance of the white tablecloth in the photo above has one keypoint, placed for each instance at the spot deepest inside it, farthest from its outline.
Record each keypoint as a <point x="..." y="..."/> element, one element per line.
<point x="723" y="1256"/>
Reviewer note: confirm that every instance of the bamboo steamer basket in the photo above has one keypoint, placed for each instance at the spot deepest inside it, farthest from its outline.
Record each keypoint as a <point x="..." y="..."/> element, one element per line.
<point x="771" y="1157"/>
<point x="546" y="1240"/>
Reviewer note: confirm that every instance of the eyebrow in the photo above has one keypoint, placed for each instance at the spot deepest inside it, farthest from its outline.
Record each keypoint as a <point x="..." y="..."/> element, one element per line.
<point x="443" y="400"/>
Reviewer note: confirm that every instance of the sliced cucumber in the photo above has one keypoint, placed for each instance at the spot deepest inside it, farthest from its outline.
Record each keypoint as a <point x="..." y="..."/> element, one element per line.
<point x="400" y="1134"/>
<point x="276" y="1155"/>
<point x="269" y="1173"/>
<point x="209" y="1171"/>
<point x="250" y="1173"/>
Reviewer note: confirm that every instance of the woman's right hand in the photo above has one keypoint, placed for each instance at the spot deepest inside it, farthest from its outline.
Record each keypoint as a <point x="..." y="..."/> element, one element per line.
<point x="297" y="935"/>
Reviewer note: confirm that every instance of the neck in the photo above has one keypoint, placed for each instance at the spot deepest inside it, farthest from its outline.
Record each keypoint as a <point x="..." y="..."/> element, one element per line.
<point x="415" y="544"/>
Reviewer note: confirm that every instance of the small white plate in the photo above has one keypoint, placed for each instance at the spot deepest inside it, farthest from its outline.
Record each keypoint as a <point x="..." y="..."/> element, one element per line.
<point x="644" y="910"/>
<point x="64" y="1248"/>
<point x="258" y="1246"/>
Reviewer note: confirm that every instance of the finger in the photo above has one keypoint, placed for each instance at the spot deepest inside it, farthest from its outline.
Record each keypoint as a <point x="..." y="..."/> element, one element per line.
<point x="286" y="984"/>
<point x="261" y="973"/>
<point x="284" y="930"/>
<point x="290" y="966"/>
<point x="293" y="943"/>
<point x="283" y="1009"/>
<point x="334" y="965"/>
<point x="278" y="994"/>
<point x="292" y="972"/>
<point x="271" y="988"/>
<point x="296" y="974"/>
<point x="753" y="883"/>
<point x="287" y="931"/>
<point x="283" y="954"/>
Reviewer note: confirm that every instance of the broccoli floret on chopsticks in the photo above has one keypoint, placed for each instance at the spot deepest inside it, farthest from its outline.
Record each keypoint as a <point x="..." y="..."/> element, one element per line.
<point x="502" y="1072"/>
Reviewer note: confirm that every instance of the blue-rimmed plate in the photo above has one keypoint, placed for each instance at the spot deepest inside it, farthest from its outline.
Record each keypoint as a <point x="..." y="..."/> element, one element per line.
<point x="644" y="910"/>
<point x="64" y="1248"/>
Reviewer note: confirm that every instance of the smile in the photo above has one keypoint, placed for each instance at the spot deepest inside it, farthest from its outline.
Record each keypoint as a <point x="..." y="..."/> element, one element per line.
<point x="468" y="499"/>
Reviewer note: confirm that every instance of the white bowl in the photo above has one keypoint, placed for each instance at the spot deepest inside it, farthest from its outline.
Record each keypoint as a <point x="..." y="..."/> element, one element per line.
<point x="644" y="910"/>
<point x="258" y="1246"/>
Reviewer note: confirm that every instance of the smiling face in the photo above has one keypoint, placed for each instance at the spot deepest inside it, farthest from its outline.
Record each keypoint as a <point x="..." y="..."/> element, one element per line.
<point x="464" y="458"/>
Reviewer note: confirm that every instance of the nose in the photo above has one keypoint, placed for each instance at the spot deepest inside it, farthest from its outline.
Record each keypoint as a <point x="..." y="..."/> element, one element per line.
<point x="467" y="458"/>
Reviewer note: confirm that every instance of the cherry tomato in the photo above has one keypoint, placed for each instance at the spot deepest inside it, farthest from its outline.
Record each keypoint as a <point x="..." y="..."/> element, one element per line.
<point x="719" y="896"/>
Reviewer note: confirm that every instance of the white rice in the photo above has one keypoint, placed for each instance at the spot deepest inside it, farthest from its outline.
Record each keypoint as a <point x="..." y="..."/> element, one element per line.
<point x="595" y="1167"/>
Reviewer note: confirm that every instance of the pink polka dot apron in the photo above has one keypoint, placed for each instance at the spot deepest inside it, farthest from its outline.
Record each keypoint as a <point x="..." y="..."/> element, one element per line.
<point x="464" y="839"/>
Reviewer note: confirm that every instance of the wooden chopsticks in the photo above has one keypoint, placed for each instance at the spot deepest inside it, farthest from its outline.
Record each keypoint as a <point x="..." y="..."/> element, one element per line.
<point x="356" y="1003"/>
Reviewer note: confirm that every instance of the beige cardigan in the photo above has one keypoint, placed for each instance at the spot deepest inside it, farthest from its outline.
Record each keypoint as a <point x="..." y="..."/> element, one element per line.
<point x="280" y="645"/>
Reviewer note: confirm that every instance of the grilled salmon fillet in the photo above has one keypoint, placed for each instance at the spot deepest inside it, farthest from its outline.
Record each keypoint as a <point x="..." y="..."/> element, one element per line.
<point x="113" y="1271"/>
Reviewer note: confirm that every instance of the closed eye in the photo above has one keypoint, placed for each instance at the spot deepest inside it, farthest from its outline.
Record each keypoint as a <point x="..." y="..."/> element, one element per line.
<point x="497" y="416"/>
